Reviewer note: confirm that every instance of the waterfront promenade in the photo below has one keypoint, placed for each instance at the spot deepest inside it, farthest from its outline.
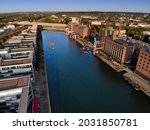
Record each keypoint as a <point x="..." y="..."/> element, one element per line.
<point x="138" y="82"/>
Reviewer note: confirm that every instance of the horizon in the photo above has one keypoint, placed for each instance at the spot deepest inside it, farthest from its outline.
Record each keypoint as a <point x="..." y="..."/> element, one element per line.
<point x="98" y="11"/>
<point x="134" y="6"/>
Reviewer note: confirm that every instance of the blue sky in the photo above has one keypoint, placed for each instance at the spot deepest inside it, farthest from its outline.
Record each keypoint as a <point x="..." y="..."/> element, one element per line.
<point x="75" y="5"/>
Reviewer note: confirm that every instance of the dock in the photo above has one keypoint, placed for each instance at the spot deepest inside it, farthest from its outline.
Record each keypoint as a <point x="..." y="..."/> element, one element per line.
<point x="117" y="67"/>
<point x="138" y="82"/>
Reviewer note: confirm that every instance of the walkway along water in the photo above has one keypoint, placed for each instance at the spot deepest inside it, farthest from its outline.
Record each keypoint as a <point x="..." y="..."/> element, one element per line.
<point x="40" y="86"/>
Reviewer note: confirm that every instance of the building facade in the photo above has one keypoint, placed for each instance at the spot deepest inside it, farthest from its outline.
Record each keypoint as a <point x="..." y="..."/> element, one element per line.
<point x="118" y="51"/>
<point x="78" y="29"/>
<point x="15" y="94"/>
<point x="143" y="64"/>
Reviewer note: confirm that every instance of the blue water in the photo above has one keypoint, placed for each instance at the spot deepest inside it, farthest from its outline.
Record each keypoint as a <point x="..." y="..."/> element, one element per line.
<point x="80" y="82"/>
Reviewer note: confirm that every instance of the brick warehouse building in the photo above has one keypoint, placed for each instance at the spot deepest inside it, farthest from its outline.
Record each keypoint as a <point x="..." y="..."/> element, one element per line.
<point x="143" y="64"/>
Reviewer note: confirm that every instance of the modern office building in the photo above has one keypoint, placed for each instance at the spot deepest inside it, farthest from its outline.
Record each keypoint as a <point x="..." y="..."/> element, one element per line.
<point x="15" y="94"/>
<point x="16" y="72"/>
<point x="15" y="62"/>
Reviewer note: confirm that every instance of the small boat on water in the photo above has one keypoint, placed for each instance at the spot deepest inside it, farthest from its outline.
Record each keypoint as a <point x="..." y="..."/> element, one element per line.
<point x="51" y="45"/>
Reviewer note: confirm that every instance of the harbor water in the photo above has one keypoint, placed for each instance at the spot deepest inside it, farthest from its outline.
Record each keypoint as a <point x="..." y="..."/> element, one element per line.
<point x="80" y="82"/>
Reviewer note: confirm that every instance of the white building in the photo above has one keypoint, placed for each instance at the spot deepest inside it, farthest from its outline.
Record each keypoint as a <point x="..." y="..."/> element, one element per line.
<point x="96" y="23"/>
<point x="14" y="63"/>
<point x="2" y="30"/>
<point x="146" y="32"/>
<point x="9" y="27"/>
<point x="75" y="20"/>
<point x="144" y="25"/>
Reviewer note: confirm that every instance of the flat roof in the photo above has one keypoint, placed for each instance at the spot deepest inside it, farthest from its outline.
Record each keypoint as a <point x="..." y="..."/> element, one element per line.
<point x="123" y="42"/>
<point x="19" y="44"/>
<point x="145" y="51"/>
<point x="15" y="61"/>
<point x="21" y="49"/>
<point x="12" y="83"/>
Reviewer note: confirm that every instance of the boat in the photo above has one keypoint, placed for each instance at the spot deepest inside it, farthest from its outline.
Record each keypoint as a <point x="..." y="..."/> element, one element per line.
<point x="51" y="45"/>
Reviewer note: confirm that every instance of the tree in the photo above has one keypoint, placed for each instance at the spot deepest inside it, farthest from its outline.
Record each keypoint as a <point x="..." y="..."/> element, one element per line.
<point x="66" y="20"/>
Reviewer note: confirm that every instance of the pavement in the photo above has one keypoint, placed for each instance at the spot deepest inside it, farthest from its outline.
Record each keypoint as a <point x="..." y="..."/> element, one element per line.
<point x="138" y="82"/>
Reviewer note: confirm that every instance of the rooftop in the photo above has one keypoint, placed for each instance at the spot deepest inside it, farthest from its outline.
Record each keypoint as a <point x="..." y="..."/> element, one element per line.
<point x="12" y="83"/>
<point x="146" y="50"/>
<point x="21" y="49"/>
<point x="14" y="94"/>
<point x="15" y="61"/>
<point x="123" y="42"/>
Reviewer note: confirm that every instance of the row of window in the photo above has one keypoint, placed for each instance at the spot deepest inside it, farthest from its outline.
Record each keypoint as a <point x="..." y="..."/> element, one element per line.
<point x="15" y="67"/>
<point x="143" y="54"/>
<point x="144" y="68"/>
<point x="144" y="60"/>
<point x="144" y="63"/>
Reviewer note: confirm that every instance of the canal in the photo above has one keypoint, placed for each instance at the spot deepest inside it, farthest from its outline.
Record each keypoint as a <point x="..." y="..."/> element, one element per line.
<point x="80" y="82"/>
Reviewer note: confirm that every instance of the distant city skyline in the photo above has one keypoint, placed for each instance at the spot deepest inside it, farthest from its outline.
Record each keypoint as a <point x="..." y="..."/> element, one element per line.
<point x="76" y="5"/>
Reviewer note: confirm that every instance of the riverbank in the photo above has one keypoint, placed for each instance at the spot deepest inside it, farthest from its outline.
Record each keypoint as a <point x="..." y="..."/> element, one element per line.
<point x="138" y="82"/>
<point x="102" y="56"/>
<point x="41" y="76"/>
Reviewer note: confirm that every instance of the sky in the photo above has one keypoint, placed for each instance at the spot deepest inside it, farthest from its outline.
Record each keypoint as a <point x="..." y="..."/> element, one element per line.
<point x="75" y="5"/>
